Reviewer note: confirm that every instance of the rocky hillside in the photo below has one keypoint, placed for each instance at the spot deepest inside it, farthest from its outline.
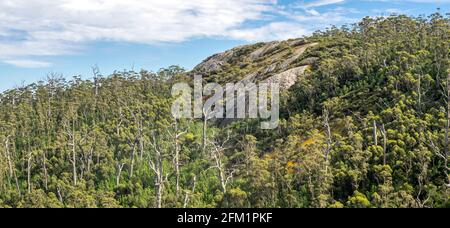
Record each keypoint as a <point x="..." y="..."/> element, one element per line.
<point x="365" y="124"/>
<point x="278" y="61"/>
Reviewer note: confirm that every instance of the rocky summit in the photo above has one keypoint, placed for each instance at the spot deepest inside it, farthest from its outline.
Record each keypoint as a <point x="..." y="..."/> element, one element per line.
<point x="278" y="61"/>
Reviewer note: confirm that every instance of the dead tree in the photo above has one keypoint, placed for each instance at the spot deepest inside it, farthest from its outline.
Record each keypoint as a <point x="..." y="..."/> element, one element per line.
<point x="70" y="132"/>
<point x="326" y="123"/>
<point x="119" y="173"/>
<point x="139" y="139"/>
<point x="97" y="76"/>
<point x="156" y="165"/>
<point x="443" y="156"/>
<point x="187" y="196"/>
<point x="176" y="156"/>
<point x="375" y="133"/>
<point x="29" y="164"/>
<point x="133" y="155"/>
<point x="119" y="124"/>
<point x="384" y="134"/>
<point x="44" y="167"/>
<point x="8" y="156"/>
<point x="419" y="92"/>
<point x="217" y="156"/>
<point x="207" y="115"/>
<point x="204" y="131"/>
<point x="12" y="170"/>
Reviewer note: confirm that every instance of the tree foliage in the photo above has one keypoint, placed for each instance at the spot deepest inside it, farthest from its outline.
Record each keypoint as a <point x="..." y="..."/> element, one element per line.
<point x="367" y="126"/>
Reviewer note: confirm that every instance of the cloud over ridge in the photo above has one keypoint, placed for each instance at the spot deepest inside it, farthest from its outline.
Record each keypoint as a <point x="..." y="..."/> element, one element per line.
<point x="31" y="29"/>
<point x="58" y="27"/>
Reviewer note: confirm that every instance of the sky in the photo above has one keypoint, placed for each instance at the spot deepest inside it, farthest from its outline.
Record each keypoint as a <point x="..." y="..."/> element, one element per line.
<point x="69" y="37"/>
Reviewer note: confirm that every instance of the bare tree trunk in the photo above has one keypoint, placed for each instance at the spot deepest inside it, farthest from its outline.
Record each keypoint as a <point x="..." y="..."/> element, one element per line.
<point x="419" y="92"/>
<point x="82" y="170"/>
<point x="58" y="190"/>
<point x="159" y="193"/>
<point x="220" y="168"/>
<point x="119" y="173"/>
<point x="30" y="157"/>
<point x="217" y="155"/>
<point x="96" y="72"/>
<point x="133" y="154"/>
<point x="177" y="165"/>
<point x="158" y="169"/>
<point x="141" y="146"/>
<point x="186" y="198"/>
<point x="73" y="160"/>
<point x="119" y="125"/>
<point x="17" y="184"/>
<point x="223" y="181"/>
<point x="159" y="179"/>
<point x="177" y="135"/>
<point x="141" y="140"/>
<point x="375" y="133"/>
<point x="384" y="134"/>
<point x="204" y="137"/>
<point x="89" y="161"/>
<point x="14" y="172"/>
<point x="328" y="134"/>
<point x="44" y="166"/>
<point x="8" y="157"/>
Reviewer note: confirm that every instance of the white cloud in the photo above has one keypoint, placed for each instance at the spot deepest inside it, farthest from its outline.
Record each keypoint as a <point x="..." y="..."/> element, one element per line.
<point x="338" y="15"/>
<point x="36" y="28"/>
<point x="59" y="27"/>
<point x="25" y="63"/>
<point x="272" y="31"/>
<point x="416" y="1"/>
<point x="319" y="3"/>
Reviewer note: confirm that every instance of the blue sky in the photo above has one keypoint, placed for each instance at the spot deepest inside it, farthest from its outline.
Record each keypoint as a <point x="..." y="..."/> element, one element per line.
<point x="38" y="37"/>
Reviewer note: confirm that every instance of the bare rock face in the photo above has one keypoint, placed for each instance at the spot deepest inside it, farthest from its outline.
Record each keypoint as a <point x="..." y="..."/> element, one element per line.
<point x="271" y="68"/>
<point x="298" y="42"/>
<point x="217" y="62"/>
<point x="297" y="54"/>
<point x="281" y="62"/>
<point x="264" y="50"/>
<point x="251" y="78"/>
<point x="274" y="62"/>
<point x="287" y="78"/>
<point x="214" y="63"/>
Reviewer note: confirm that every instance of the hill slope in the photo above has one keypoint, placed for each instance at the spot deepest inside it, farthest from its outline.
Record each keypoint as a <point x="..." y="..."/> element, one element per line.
<point x="365" y="123"/>
<point x="279" y="60"/>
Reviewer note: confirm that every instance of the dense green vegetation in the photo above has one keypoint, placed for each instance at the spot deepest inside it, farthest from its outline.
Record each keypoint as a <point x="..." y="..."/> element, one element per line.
<point x="368" y="125"/>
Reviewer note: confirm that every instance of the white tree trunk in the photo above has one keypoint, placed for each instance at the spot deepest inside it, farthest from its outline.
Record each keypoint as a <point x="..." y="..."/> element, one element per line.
<point x="30" y="157"/>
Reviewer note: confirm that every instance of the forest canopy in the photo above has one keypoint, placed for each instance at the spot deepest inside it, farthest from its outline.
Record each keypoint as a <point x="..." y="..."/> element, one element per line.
<point x="367" y="125"/>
